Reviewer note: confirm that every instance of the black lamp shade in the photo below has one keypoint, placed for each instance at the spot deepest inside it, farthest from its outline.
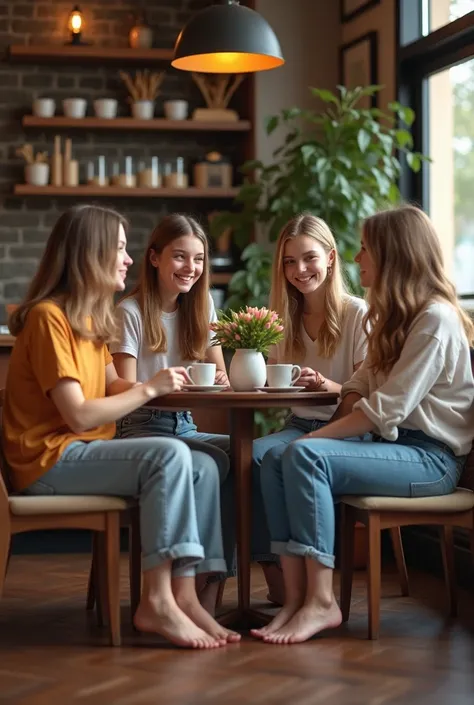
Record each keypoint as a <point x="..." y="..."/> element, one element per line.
<point x="227" y="39"/>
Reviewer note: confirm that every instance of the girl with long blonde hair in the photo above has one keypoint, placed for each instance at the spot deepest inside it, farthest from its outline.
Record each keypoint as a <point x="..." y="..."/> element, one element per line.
<point x="324" y="335"/>
<point x="414" y="393"/>
<point x="62" y="399"/>
<point x="164" y="322"/>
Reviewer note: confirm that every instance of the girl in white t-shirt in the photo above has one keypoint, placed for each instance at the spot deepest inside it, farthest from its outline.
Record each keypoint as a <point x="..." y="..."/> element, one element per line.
<point x="323" y="334"/>
<point x="164" y="322"/>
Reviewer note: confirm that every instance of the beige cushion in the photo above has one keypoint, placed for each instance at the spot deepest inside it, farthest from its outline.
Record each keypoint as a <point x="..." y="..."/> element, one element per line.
<point x="458" y="501"/>
<point x="64" y="504"/>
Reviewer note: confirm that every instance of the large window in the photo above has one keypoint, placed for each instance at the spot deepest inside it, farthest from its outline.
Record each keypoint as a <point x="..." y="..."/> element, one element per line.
<point x="437" y="13"/>
<point x="437" y="78"/>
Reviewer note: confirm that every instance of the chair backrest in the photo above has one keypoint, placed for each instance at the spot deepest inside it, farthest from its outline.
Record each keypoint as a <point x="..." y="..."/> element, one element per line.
<point x="467" y="477"/>
<point x="4" y="472"/>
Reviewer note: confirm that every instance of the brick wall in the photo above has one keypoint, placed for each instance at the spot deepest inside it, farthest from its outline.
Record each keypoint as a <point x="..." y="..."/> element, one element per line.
<point x="26" y="222"/>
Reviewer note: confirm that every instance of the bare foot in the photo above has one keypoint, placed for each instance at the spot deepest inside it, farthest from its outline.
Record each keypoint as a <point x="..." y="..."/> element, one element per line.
<point x="167" y="619"/>
<point x="208" y="596"/>
<point x="283" y="616"/>
<point x="276" y="588"/>
<point x="311" y="619"/>
<point x="196" y="612"/>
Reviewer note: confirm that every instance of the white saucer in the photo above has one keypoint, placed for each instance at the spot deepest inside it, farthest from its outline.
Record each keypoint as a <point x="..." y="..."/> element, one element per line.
<point x="281" y="390"/>
<point x="204" y="388"/>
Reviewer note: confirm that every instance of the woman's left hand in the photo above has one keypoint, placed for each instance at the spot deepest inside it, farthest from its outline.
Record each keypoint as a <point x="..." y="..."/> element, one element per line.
<point x="221" y="378"/>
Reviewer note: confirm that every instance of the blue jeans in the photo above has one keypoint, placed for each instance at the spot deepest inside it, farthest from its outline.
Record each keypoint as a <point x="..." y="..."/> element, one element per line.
<point x="300" y="488"/>
<point x="274" y="446"/>
<point x="146" y="422"/>
<point x="178" y="494"/>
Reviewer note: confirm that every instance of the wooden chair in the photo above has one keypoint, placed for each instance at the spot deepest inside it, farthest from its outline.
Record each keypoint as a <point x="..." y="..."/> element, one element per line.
<point x="377" y="513"/>
<point x="21" y="513"/>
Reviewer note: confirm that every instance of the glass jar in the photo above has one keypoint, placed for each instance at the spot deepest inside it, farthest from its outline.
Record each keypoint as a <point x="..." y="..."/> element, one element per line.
<point x="123" y="174"/>
<point x="174" y="174"/>
<point x="97" y="172"/>
<point x="148" y="173"/>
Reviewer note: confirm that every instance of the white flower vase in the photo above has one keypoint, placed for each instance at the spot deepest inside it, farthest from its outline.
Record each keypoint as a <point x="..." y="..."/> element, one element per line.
<point x="247" y="370"/>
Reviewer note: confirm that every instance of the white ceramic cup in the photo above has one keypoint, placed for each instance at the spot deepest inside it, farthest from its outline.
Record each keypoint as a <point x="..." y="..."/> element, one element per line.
<point x="282" y="375"/>
<point x="44" y="107"/>
<point x="176" y="109"/>
<point x="202" y="373"/>
<point x="75" y="107"/>
<point x="105" y="108"/>
<point x="143" y="109"/>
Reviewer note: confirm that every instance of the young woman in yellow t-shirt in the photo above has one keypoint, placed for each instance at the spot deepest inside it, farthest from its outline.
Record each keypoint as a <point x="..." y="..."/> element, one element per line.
<point x="62" y="399"/>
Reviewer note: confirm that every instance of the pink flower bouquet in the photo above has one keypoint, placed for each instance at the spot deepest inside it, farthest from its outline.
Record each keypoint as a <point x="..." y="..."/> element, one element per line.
<point x="254" y="328"/>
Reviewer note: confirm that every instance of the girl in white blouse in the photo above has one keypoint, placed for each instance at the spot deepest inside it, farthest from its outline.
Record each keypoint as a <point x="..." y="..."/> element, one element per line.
<point x="414" y="392"/>
<point x="323" y="334"/>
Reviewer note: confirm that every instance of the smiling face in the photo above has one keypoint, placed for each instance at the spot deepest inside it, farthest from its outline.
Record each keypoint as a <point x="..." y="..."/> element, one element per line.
<point x="179" y="265"/>
<point x="305" y="263"/>
<point x="123" y="261"/>
<point x="366" y="265"/>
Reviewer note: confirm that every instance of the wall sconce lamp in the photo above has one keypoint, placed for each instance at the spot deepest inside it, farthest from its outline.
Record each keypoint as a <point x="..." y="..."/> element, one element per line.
<point x="227" y="38"/>
<point x="76" y="25"/>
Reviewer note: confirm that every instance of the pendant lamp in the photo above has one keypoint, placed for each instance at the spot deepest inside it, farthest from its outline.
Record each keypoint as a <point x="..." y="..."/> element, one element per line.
<point x="227" y="38"/>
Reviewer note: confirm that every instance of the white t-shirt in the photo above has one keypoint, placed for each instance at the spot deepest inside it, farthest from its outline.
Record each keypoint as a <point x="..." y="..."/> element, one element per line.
<point x="430" y="388"/>
<point x="351" y="351"/>
<point x="132" y="341"/>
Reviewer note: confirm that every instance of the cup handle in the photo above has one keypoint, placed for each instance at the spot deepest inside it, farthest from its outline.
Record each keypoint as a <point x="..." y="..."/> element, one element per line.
<point x="188" y="372"/>
<point x="295" y="374"/>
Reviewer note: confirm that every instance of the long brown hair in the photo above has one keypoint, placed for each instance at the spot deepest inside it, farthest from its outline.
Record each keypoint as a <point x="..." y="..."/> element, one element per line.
<point x="77" y="271"/>
<point x="289" y="302"/>
<point x="409" y="274"/>
<point x="193" y="310"/>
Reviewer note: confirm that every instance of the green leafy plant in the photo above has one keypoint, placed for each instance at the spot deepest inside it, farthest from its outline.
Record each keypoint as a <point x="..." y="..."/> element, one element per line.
<point x="341" y="164"/>
<point x="251" y="286"/>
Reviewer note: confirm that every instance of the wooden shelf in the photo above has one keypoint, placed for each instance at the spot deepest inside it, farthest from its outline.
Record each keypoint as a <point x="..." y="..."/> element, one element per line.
<point x="120" y="192"/>
<point x="130" y="123"/>
<point x="221" y="277"/>
<point x="66" y="52"/>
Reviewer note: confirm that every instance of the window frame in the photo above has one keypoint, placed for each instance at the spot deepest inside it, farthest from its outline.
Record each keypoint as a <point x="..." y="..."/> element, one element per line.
<point x="418" y="57"/>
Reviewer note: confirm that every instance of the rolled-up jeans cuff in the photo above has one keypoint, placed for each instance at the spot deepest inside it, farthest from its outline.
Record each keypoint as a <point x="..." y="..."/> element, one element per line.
<point x="212" y="565"/>
<point x="193" y="552"/>
<point x="299" y="549"/>
<point x="264" y="558"/>
<point x="218" y="577"/>
<point x="280" y="548"/>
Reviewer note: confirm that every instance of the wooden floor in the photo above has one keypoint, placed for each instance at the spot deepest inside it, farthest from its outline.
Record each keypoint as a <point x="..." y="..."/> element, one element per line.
<point x="50" y="651"/>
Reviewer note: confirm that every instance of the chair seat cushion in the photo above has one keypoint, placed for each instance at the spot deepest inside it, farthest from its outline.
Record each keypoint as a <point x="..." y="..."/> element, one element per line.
<point x="29" y="505"/>
<point x="459" y="501"/>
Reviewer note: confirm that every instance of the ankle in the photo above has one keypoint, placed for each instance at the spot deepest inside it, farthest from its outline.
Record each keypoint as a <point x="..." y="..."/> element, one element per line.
<point x="324" y="602"/>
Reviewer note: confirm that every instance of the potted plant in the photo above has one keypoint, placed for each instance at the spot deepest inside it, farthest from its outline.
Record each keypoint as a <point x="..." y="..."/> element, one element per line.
<point x="249" y="333"/>
<point x="341" y="163"/>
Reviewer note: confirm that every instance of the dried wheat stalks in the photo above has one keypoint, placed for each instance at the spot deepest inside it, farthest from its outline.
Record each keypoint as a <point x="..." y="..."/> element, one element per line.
<point x="217" y="89"/>
<point x="145" y="85"/>
<point x="26" y="151"/>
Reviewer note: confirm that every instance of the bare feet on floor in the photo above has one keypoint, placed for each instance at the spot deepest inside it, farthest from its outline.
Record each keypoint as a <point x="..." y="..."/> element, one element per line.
<point x="208" y="596"/>
<point x="283" y="616"/>
<point x="168" y="620"/>
<point x="309" y="620"/>
<point x="274" y="577"/>
<point x="196" y="612"/>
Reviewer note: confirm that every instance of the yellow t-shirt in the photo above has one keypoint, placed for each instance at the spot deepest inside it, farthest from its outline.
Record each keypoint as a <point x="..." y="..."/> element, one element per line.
<point x="46" y="351"/>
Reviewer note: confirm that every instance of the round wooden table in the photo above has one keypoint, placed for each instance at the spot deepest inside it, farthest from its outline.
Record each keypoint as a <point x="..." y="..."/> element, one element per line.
<point x="241" y="407"/>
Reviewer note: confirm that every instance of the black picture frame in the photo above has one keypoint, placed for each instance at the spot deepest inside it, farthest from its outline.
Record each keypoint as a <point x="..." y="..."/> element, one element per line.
<point x="348" y="15"/>
<point x="365" y="48"/>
